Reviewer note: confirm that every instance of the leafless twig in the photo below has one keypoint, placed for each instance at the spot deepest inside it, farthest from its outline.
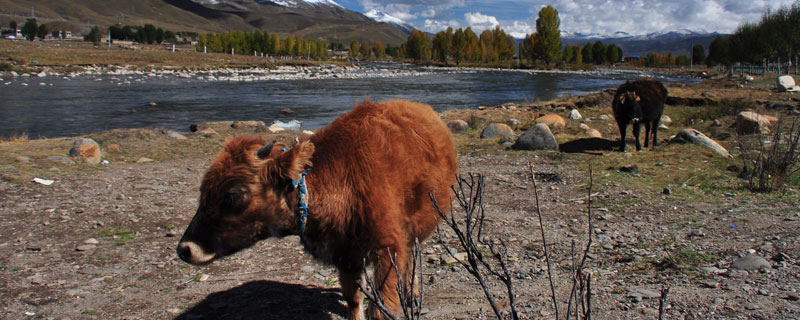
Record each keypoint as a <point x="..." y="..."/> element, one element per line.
<point x="662" y="303"/>
<point x="469" y="195"/>
<point x="544" y="240"/>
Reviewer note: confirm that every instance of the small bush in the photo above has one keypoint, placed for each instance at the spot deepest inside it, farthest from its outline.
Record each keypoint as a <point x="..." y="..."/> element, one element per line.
<point x="771" y="161"/>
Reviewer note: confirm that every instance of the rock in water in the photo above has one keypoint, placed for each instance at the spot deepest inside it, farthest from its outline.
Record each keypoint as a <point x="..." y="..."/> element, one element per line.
<point x="698" y="138"/>
<point x="86" y="149"/>
<point x="537" y="137"/>
<point x="497" y="129"/>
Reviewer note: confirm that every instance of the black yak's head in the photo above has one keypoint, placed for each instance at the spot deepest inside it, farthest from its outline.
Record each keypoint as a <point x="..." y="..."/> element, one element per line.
<point x="245" y="196"/>
<point x="629" y="103"/>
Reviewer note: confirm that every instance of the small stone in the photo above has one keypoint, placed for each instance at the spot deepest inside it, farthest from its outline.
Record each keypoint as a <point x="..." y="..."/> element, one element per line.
<point x="144" y="160"/>
<point x="85" y="247"/>
<point x="666" y="191"/>
<point x="575" y="115"/>
<point x="792" y="296"/>
<point x="457" y="125"/>
<point x="750" y="262"/>
<point x="91" y="241"/>
<point x="172" y="233"/>
<point x="23" y="159"/>
<point x="752" y="306"/>
<point x="37" y="279"/>
<point x="113" y="147"/>
<point x="152" y="104"/>
<point x="307" y="269"/>
<point x="763" y="292"/>
<point x="176" y="135"/>
<point x="697" y="233"/>
<point x="203" y="277"/>
<point x="709" y="284"/>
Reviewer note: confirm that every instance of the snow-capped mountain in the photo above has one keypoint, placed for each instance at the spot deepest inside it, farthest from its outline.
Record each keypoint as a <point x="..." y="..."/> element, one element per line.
<point x="381" y="16"/>
<point x="678" y="42"/>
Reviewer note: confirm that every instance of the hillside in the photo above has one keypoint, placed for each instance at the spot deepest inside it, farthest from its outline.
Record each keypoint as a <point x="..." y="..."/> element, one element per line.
<point x="321" y="19"/>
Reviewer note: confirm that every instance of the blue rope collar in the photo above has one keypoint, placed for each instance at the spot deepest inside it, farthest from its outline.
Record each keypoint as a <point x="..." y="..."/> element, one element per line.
<point x="302" y="198"/>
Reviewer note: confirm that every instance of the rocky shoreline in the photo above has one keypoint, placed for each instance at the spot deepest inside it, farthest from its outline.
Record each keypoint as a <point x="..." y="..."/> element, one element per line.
<point x="283" y="72"/>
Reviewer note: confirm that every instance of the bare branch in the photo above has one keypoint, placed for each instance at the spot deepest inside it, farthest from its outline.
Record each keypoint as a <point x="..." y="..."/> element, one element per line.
<point x="544" y="240"/>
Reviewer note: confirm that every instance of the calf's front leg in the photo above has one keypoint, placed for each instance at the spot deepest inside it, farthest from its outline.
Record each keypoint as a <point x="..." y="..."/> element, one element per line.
<point x="352" y="294"/>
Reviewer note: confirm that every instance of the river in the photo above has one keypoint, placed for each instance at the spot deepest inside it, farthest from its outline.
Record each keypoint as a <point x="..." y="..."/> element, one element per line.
<point x="70" y="106"/>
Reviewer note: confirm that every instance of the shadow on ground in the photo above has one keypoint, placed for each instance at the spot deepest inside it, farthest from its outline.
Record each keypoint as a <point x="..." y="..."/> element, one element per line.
<point x="588" y="145"/>
<point x="269" y="300"/>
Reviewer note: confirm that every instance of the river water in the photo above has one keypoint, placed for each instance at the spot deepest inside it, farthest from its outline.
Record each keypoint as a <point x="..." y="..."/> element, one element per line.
<point x="61" y="106"/>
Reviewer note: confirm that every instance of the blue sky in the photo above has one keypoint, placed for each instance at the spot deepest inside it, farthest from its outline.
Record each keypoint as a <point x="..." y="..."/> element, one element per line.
<point x="518" y="17"/>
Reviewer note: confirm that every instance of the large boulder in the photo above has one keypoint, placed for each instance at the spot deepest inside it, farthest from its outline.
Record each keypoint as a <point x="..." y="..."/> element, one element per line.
<point x="786" y="83"/>
<point x="749" y="122"/>
<point x="457" y="125"/>
<point x="497" y="129"/>
<point x="537" y="137"/>
<point x="698" y="138"/>
<point x="87" y="150"/>
<point x="552" y="120"/>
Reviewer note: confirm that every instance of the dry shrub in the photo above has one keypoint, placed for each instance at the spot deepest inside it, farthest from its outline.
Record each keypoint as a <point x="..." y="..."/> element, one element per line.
<point x="771" y="160"/>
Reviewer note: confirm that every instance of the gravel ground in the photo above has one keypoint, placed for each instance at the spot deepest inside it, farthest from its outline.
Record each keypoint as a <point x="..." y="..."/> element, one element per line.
<point x="103" y="246"/>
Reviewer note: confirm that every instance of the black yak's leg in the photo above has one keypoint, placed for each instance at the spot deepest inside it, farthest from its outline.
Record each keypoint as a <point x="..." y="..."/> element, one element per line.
<point x="622" y="129"/>
<point x="656" y="123"/>
<point x="646" y="134"/>
<point x="637" y="128"/>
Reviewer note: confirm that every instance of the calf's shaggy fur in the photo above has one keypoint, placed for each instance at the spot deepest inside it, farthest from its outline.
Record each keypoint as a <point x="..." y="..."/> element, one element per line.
<point x="371" y="173"/>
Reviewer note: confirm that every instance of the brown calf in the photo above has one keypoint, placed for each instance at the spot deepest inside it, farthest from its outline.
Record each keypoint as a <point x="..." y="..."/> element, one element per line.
<point x="368" y="194"/>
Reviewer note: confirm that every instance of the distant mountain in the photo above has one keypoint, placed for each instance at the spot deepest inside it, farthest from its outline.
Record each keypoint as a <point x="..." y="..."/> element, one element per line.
<point x="324" y="19"/>
<point x="381" y="16"/>
<point x="678" y="42"/>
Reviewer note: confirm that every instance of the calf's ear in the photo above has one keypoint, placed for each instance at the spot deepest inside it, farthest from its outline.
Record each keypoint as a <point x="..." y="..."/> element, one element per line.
<point x="292" y="162"/>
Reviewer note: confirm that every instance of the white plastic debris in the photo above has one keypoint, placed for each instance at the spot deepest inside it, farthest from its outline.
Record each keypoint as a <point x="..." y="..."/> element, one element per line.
<point x="106" y="162"/>
<point x="289" y="125"/>
<point x="43" y="181"/>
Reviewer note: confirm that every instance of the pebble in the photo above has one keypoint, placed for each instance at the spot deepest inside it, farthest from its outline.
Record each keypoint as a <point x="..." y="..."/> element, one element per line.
<point x="793" y="296"/>
<point x="91" y="241"/>
<point x="203" y="277"/>
<point x="85" y="247"/>
<point x="750" y="262"/>
<point x="763" y="292"/>
<point x="752" y="306"/>
<point x="307" y="269"/>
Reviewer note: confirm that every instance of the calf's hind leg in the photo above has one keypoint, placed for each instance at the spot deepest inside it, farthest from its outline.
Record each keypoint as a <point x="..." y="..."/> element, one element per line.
<point x="386" y="278"/>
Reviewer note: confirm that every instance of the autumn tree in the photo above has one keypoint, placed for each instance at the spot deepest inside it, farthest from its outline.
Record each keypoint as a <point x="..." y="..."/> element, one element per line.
<point x="473" y="50"/>
<point x="458" y="46"/>
<point x="548" y="39"/>
<point x="418" y="46"/>
<point x="612" y="53"/>
<point x="354" y="49"/>
<point x="365" y="50"/>
<point x="378" y="49"/>
<point x="441" y="45"/>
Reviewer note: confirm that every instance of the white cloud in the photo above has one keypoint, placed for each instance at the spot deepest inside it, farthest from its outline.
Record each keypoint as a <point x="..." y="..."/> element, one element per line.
<point x="434" y="26"/>
<point x="519" y="29"/>
<point x="635" y="17"/>
<point x="479" y="21"/>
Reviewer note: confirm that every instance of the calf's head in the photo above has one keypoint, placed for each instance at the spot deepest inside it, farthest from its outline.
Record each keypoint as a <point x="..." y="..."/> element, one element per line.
<point x="245" y="196"/>
<point x="629" y="101"/>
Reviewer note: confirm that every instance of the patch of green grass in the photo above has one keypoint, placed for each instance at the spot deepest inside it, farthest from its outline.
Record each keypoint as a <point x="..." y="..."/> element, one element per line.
<point x="330" y="282"/>
<point x="16" y="269"/>
<point x="90" y="312"/>
<point x="683" y="258"/>
<point x="120" y="235"/>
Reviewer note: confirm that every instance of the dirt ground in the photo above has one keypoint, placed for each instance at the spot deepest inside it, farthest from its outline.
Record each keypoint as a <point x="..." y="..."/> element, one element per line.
<point x="100" y="243"/>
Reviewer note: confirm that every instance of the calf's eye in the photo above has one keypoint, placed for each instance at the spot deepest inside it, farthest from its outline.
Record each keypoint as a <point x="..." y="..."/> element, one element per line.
<point x="236" y="199"/>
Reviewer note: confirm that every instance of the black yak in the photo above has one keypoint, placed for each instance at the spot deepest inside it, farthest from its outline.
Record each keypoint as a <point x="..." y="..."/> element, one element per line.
<point x="640" y="101"/>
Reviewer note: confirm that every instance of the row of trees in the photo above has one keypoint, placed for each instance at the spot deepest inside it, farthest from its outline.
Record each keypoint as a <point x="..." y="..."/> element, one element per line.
<point x="775" y="37"/>
<point x="496" y="46"/>
<point x="148" y="34"/>
<point x="31" y="30"/>
<point x="261" y="42"/>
